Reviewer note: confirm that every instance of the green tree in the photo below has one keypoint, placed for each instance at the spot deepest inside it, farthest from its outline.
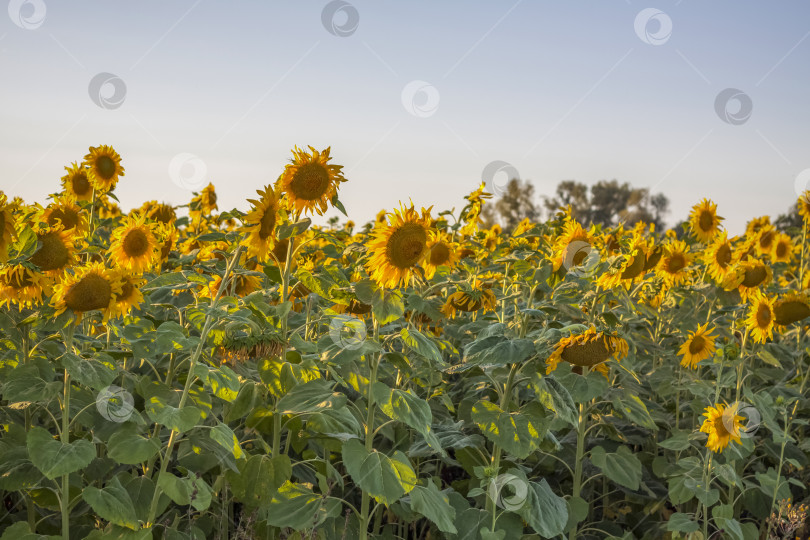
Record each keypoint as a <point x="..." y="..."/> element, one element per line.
<point x="514" y="204"/>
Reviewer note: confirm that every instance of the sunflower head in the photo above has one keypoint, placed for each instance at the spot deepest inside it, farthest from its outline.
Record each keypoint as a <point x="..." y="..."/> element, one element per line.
<point x="159" y="212"/>
<point x="103" y="167"/>
<point x="76" y="184"/>
<point x="791" y="308"/>
<point x="698" y="346"/>
<point x="133" y="245"/>
<point x="704" y="221"/>
<point x="65" y="214"/>
<point x="469" y="301"/>
<point x="7" y="221"/>
<point x="204" y="203"/>
<point x="56" y="251"/>
<point x="719" y="256"/>
<point x="804" y="206"/>
<point x="588" y="350"/>
<point x="674" y="264"/>
<point x="760" y="320"/>
<point x="310" y="182"/>
<point x="130" y="296"/>
<point x="723" y="425"/>
<point x="91" y="288"/>
<point x="397" y="247"/>
<point x="260" y="224"/>
<point x="22" y="285"/>
<point x="441" y="252"/>
<point x="782" y="249"/>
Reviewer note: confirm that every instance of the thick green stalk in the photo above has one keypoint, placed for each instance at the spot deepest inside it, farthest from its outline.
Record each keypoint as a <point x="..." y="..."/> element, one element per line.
<point x="64" y="436"/>
<point x="578" y="464"/>
<point x="285" y="296"/>
<point x="374" y="363"/>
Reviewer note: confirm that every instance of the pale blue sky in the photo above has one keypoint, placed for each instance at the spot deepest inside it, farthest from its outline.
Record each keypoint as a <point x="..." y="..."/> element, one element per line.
<point x="559" y="89"/>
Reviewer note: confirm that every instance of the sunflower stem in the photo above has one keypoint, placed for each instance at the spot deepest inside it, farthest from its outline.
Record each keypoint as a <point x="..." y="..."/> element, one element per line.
<point x="581" y="429"/>
<point x="64" y="436"/>
<point x="374" y="363"/>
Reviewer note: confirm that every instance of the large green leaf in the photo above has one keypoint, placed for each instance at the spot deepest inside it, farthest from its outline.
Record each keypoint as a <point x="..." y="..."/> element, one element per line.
<point x="258" y="478"/>
<point x="498" y="350"/>
<point x="519" y="433"/>
<point x="160" y="401"/>
<point x="384" y="478"/>
<point x="55" y="458"/>
<point x="623" y="467"/>
<point x="88" y="372"/>
<point x="434" y="505"/>
<point x="184" y="491"/>
<point x="127" y="446"/>
<point x="298" y="507"/>
<point x="556" y="398"/>
<point x="409" y="409"/>
<point x="632" y="409"/>
<point x="310" y="397"/>
<point x="544" y="511"/>
<point x="226" y="438"/>
<point x="423" y="345"/>
<point x="21" y="531"/>
<point x="112" y="503"/>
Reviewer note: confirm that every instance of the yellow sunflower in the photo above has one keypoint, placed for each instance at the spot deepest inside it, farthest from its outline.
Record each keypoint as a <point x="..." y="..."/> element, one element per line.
<point x="469" y="301"/>
<point x="133" y="245"/>
<point x="572" y="247"/>
<point x="130" y="296"/>
<point x="791" y="308"/>
<point x="589" y="350"/>
<point x="22" y="286"/>
<point x="804" y="206"/>
<point x="103" y="167"/>
<point x="56" y="251"/>
<point x="441" y="252"/>
<point x="167" y="237"/>
<point x="719" y="256"/>
<point x="7" y="233"/>
<point x="204" y="203"/>
<point x="748" y="277"/>
<point x="782" y="250"/>
<point x="66" y="214"/>
<point x="75" y="183"/>
<point x="704" y="221"/>
<point x="260" y="224"/>
<point x="310" y="182"/>
<point x="397" y="247"/>
<point x="753" y="227"/>
<point x="160" y="212"/>
<point x="631" y="267"/>
<point x="674" y="264"/>
<point x="91" y="288"/>
<point x="723" y="425"/>
<point x="106" y="208"/>
<point x="760" y="318"/>
<point x="698" y="346"/>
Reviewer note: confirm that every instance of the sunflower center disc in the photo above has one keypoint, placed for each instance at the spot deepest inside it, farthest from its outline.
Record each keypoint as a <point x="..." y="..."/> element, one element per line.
<point x="406" y="245"/>
<point x="676" y="263"/>
<point x="126" y="291"/>
<point x="53" y="254"/>
<point x="439" y="254"/>
<point x="310" y="182"/>
<point x="723" y="256"/>
<point x="588" y="354"/>
<point x="790" y="312"/>
<point x="135" y="243"/>
<point x="267" y="223"/>
<point x="81" y="186"/>
<point x="763" y="316"/>
<point x="105" y="165"/>
<point x="697" y="345"/>
<point x="67" y="216"/>
<point x="754" y="276"/>
<point x="92" y="292"/>
<point x="706" y="221"/>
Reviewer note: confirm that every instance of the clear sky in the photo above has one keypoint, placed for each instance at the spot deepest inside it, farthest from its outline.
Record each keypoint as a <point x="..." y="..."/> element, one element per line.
<point x="558" y="89"/>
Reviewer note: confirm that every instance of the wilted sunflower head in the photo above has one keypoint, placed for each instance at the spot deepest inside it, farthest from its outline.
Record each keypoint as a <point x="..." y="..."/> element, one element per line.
<point x="698" y="346"/>
<point x="723" y="425"/>
<point x="791" y="308"/>
<point x="397" y="247"/>
<point x="159" y="212"/>
<point x="760" y="318"/>
<point x="22" y="285"/>
<point x="468" y="301"/>
<point x="310" y="182"/>
<point x="133" y="245"/>
<point x="588" y="350"/>
<point x="260" y="224"/>
<point x="91" y="288"/>
<point x="76" y="184"/>
<point x="103" y="167"/>
<point x="704" y="221"/>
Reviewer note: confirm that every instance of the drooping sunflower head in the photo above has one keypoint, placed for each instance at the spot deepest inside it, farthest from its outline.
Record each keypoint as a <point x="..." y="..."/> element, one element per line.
<point x="56" y="251"/>
<point x="748" y="277"/>
<point x="159" y="212"/>
<point x="719" y="256"/>
<point x="310" y="182"/>
<point x="103" y="167"/>
<point x="572" y="246"/>
<point x="590" y="349"/>
<point x="760" y="320"/>
<point x="76" y="184"/>
<point x="239" y="285"/>
<point x="631" y="267"/>
<point x="723" y="425"/>
<point x="66" y="214"/>
<point x="91" y="288"/>
<point x="753" y="227"/>
<point x="765" y="240"/>
<point x="22" y="286"/>
<point x="704" y="221"/>
<point x="791" y="308"/>
<point x="698" y="346"/>
<point x="468" y="301"/>
<point x="397" y="247"/>
<point x="133" y="245"/>
<point x="782" y="249"/>
<point x="674" y="264"/>
<point x="441" y="252"/>
<point x="130" y="296"/>
<point x="7" y="232"/>
<point x="804" y="206"/>
<point x="260" y="224"/>
<point x="204" y="203"/>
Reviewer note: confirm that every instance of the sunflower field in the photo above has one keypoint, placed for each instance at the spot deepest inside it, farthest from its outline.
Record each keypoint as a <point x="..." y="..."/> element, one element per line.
<point x="190" y="373"/>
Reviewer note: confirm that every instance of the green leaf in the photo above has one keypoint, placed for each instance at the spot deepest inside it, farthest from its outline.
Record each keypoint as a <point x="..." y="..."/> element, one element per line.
<point x="25" y="245"/>
<point x="88" y="372"/>
<point x="768" y="358"/>
<point x="434" y="505"/>
<point x="112" y="503"/>
<point x="556" y="398"/>
<point x="519" y="433"/>
<point x="310" y="397"/>
<point x="21" y="531"/>
<point x="128" y="447"/>
<point x="391" y="308"/>
<point x="423" y="345"/>
<point x="678" y="442"/>
<point x="289" y="230"/>
<point x="225" y="437"/>
<point x="55" y="458"/>
<point x="259" y="478"/>
<point x="623" y="467"/>
<point x="545" y="512"/>
<point x="298" y="507"/>
<point x="223" y="382"/>
<point x="498" y="351"/>
<point x="409" y="409"/>
<point x="384" y="478"/>
<point x="679" y="522"/>
<point x="186" y="491"/>
<point x="158" y="399"/>
<point x="631" y="408"/>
